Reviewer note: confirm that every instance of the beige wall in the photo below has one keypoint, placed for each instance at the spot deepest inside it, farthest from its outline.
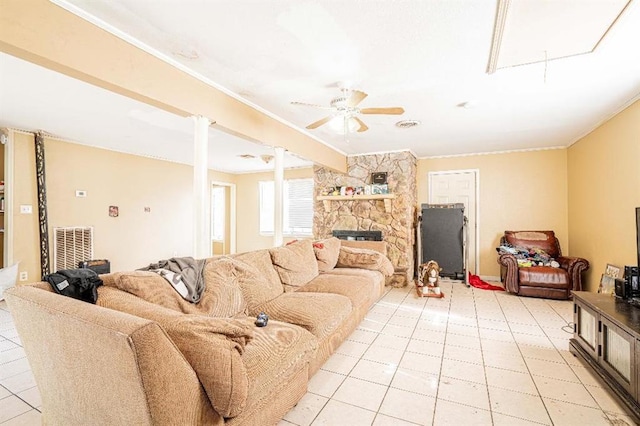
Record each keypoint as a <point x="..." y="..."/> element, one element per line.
<point x="604" y="190"/>
<point x="26" y="238"/>
<point x="132" y="240"/>
<point x="248" y="208"/>
<point x="518" y="191"/>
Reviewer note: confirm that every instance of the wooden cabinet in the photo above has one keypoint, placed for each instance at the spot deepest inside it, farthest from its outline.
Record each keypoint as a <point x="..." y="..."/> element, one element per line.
<point x="607" y="337"/>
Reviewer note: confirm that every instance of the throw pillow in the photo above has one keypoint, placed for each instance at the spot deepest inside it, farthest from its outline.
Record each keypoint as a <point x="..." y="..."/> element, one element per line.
<point x="327" y="252"/>
<point x="296" y="263"/>
<point x="254" y="285"/>
<point x="366" y="259"/>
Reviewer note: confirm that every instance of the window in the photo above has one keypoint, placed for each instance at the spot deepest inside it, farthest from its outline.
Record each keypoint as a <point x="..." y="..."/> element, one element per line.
<point x="298" y="207"/>
<point x="217" y="210"/>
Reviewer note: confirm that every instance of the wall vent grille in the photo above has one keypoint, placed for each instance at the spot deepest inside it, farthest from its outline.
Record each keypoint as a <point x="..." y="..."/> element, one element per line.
<point x="72" y="245"/>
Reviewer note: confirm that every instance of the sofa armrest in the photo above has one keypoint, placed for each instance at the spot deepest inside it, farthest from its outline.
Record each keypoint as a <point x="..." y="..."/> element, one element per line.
<point x="509" y="272"/>
<point x="125" y="368"/>
<point x="574" y="266"/>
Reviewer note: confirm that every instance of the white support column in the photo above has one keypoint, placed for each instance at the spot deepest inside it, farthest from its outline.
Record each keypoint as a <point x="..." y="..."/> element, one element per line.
<point x="278" y="185"/>
<point x="201" y="190"/>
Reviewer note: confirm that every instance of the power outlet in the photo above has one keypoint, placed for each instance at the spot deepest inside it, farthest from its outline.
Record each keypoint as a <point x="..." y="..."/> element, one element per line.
<point x="24" y="276"/>
<point x="25" y="209"/>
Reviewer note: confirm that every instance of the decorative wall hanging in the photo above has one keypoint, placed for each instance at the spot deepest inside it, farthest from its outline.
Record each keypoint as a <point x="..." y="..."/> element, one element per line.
<point x="43" y="217"/>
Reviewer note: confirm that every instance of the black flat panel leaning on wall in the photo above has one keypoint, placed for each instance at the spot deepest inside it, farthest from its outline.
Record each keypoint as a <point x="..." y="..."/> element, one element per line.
<point x="441" y="235"/>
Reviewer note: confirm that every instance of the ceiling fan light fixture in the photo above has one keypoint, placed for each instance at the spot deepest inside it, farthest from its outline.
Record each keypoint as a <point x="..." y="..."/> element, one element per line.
<point x="342" y="124"/>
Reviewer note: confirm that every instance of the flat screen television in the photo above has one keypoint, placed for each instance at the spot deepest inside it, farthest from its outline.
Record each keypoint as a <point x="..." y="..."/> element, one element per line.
<point x="638" y="239"/>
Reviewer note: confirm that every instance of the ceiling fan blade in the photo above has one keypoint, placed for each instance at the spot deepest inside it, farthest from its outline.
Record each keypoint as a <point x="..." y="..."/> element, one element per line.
<point x="363" y="127"/>
<point x="355" y="98"/>
<point x="319" y="122"/>
<point x="391" y="111"/>
<point x="311" y="105"/>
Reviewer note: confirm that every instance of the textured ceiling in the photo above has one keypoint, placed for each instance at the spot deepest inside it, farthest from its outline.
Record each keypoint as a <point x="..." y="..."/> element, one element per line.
<point x="428" y="57"/>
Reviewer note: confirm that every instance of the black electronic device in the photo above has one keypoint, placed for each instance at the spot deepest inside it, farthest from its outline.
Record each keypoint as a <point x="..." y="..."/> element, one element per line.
<point x="442" y="238"/>
<point x="99" y="266"/>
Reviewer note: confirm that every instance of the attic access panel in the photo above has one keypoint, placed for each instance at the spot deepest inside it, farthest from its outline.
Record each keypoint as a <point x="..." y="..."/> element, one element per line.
<point x="527" y="31"/>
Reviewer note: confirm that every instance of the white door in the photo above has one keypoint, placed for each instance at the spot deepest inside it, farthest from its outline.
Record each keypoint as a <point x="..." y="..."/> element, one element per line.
<point x="459" y="186"/>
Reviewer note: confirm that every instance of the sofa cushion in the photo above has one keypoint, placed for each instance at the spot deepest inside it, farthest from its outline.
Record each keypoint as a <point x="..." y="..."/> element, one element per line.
<point x="327" y="252"/>
<point x="544" y="276"/>
<point x="255" y="287"/>
<point x="545" y="240"/>
<point x="319" y="313"/>
<point x="351" y="257"/>
<point x="274" y="355"/>
<point x="296" y="263"/>
<point x="221" y="297"/>
<point x="261" y="261"/>
<point x="359" y="290"/>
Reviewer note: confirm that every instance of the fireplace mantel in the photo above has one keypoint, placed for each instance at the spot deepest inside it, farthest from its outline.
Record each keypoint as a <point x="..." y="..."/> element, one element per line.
<point x="327" y="199"/>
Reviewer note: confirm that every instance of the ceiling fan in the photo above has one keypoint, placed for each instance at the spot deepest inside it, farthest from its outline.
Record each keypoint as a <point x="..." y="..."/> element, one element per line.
<point x="344" y="112"/>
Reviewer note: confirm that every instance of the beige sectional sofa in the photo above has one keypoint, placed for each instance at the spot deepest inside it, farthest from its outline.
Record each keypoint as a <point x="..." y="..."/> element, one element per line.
<point x="144" y="355"/>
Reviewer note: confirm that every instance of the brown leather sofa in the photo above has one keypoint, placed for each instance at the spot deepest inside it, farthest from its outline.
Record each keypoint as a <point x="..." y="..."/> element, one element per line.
<point x="540" y="281"/>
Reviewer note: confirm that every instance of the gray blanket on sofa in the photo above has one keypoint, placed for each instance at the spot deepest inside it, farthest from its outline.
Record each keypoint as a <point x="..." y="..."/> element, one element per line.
<point x="185" y="274"/>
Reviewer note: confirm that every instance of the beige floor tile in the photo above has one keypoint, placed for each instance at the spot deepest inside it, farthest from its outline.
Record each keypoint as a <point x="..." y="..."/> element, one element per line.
<point x="570" y="358"/>
<point x="4" y="392"/>
<point x="566" y="414"/>
<point x="587" y="376"/>
<point x="605" y="400"/>
<point x="383" y="355"/>
<point x="383" y="420"/>
<point x="14" y="367"/>
<point x="11" y="407"/>
<point x="504" y="420"/>
<point x="463" y="370"/>
<point x="31" y="396"/>
<point x="463" y="330"/>
<point x="11" y="355"/>
<point x="553" y="370"/>
<point x="389" y="341"/>
<point x="351" y="348"/>
<point x="419" y="362"/>
<point x="618" y="419"/>
<point x="463" y="392"/>
<point x="360" y="393"/>
<point x="451" y="413"/>
<point x="30" y="418"/>
<point x="520" y="405"/>
<point x="462" y="354"/>
<point x="429" y="335"/>
<point x="285" y="423"/>
<point x="339" y="413"/>
<point x="408" y="406"/>
<point x="383" y="308"/>
<point x="373" y="372"/>
<point x="10" y="333"/>
<point x="19" y="382"/>
<point x="539" y="352"/>
<point x="560" y="344"/>
<point x="425" y="348"/>
<point x="574" y="393"/>
<point x="325" y="383"/>
<point x="432" y="324"/>
<point x="416" y="382"/>
<point x="529" y="339"/>
<point x="396" y="330"/>
<point x="362" y="336"/>
<point x="499" y="347"/>
<point x="511" y="380"/>
<point x="403" y="321"/>
<point x="341" y="364"/>
<point x="499" y="335"/>
<point x="6" y="344"/>
<point x="505" y="362"/>
<point x="371" y="325"/>
<point x="306" y="410"/>
<point x="463" y="341"/>
<point x="526" y="329"/>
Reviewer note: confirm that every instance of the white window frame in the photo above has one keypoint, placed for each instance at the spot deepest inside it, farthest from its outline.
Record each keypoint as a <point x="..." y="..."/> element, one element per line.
<point x="266" y="209"/>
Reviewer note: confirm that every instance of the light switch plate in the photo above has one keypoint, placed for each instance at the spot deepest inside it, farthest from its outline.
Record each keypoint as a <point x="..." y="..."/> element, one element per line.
<point x="81" y="193"/>
<point x="24" y="276"/>
<point x="26" y="209"/>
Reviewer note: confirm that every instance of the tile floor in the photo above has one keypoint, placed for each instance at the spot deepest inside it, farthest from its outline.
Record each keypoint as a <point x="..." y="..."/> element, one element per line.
<point x="475" y="357"/>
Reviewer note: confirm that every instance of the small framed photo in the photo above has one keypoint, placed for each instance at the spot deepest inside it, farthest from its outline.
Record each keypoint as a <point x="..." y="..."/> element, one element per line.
<point x="379" y="189"/>
<point x="114" y="211"/>
<point x="607" y="284"/>
<point x="612" y="271"/>
<point x="379" y="178"/>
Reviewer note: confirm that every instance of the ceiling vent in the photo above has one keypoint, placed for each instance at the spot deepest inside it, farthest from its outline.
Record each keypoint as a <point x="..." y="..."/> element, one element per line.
<point x="246" y="156"/>
<point x="406" y="124"/>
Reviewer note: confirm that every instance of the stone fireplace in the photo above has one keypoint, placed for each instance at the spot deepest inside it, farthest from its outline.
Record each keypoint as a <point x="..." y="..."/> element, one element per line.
<point x="395" y="217"/>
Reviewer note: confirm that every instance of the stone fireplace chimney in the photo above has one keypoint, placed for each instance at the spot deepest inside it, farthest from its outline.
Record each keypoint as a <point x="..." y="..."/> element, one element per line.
<point x="394" y="217"/>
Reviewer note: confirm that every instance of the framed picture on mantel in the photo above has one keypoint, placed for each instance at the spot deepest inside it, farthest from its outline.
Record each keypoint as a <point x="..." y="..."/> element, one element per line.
<point x="379" y="178"/>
